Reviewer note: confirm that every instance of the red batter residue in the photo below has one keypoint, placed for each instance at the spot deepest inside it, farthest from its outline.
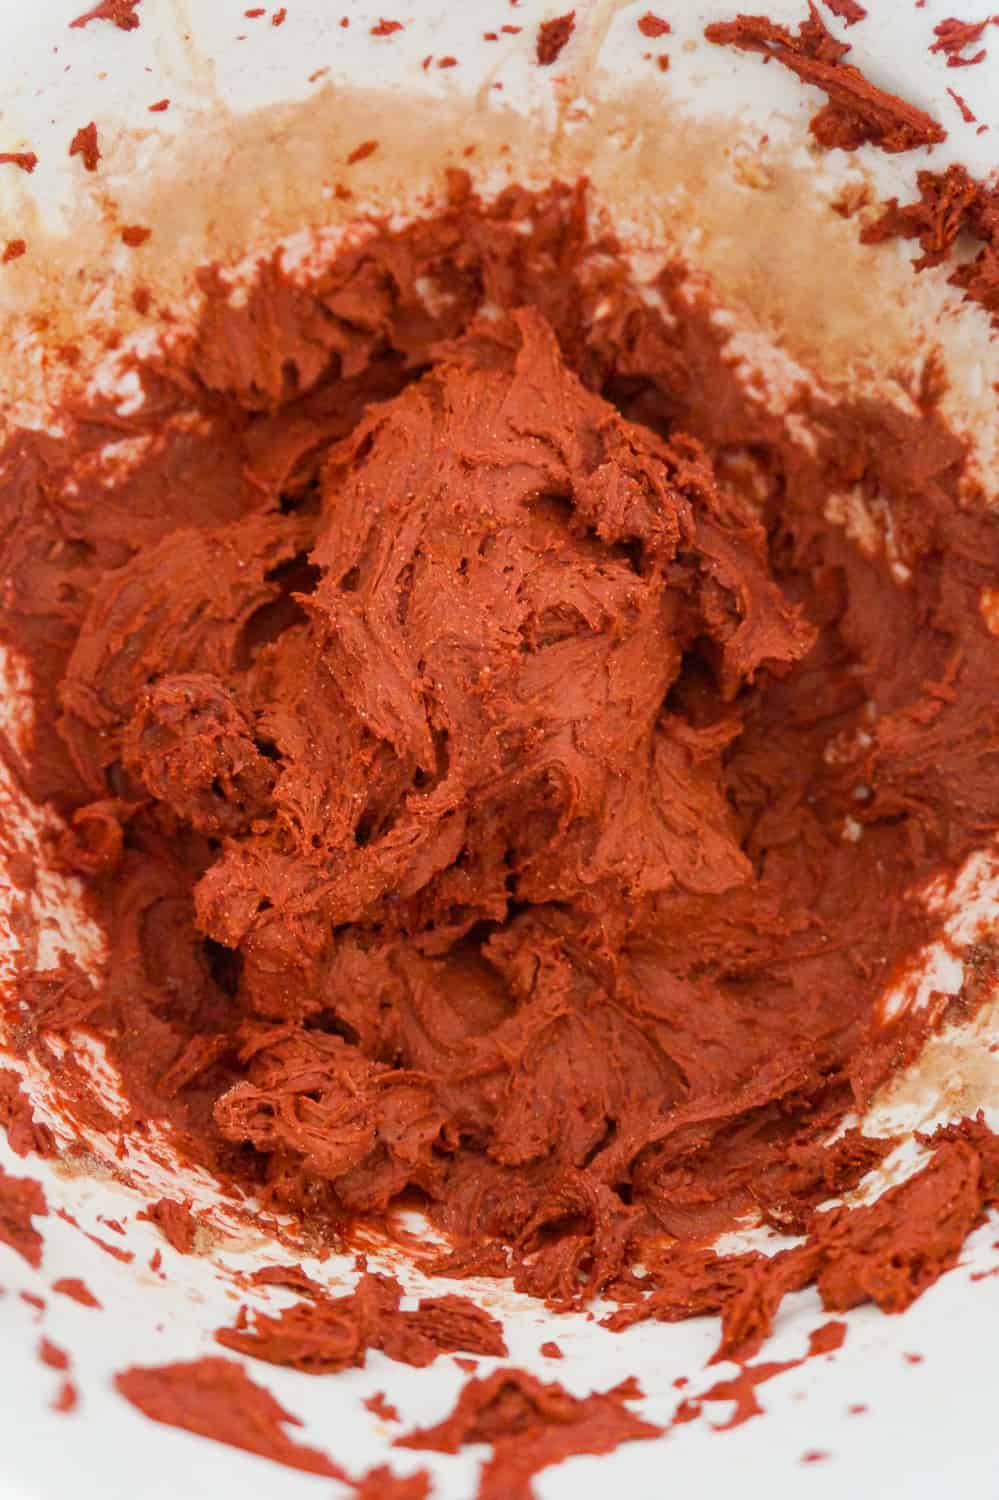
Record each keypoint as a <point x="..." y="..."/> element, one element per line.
<point x="50" y="1354"/>
<point x="217" y="1399"/>
<point x="848" y="11"/>
<point x="741" y="1388"/>
<point x="25" y="1135"/>
<point x="531" y="1425"/>
<point x="26" y="160"/>
<point x="67" y="1398"/>
<point x="951" y="204"/>
<point x="74" y="1287"/>
<point x="328" y="1333"/>
<point x="952" y="36"/>
<point x="13" y="250"/>
<point x="382" y="1408"/>
<point x="115" y="1251"/>
<point x="967" y="113"/>
<point x="857" y="111"/>
<point x="84" y="144"/>
<point x="553" y="36"/>
<point x="175" y="1222"/>
<point x="21" y="1200"/>
<point x="362" y="152"/>
<point x="295" y="1278"/>
<point x="826" y="1339"/>
<point x="122" y="13"/>
<point x="382" y="1484"/>
<point x="652" y="26"/>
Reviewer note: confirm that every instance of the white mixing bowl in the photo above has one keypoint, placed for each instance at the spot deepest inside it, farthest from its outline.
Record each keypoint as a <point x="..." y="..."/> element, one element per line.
<point x="256" y="112"/>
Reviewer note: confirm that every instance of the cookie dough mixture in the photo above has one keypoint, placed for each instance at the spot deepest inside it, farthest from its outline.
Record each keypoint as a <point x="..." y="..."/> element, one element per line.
<point x="505" y="750"/>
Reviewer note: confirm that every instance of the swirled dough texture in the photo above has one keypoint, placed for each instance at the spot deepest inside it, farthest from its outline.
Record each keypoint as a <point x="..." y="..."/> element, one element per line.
<point x="499" y="772"/>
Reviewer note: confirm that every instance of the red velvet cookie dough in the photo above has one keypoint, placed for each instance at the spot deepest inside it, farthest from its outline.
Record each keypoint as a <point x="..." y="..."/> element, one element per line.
<point x="498" y="773"/>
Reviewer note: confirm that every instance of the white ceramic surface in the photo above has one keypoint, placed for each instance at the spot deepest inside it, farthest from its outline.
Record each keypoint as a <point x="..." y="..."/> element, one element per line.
<point x="930" y="1425"/>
